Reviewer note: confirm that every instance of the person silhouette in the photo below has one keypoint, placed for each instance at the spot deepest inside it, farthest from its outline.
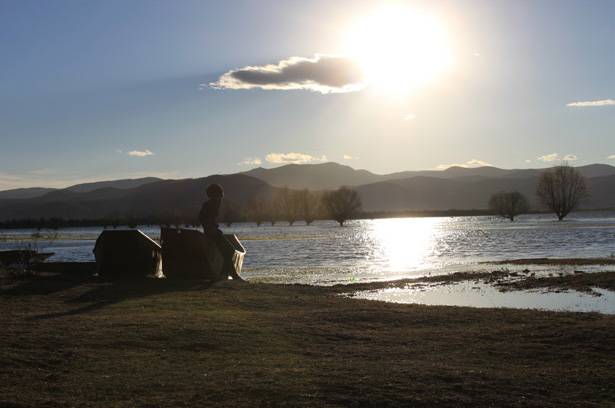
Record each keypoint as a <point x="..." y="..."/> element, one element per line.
<point x="209" y="220"/>
<point x="211" y="210"/>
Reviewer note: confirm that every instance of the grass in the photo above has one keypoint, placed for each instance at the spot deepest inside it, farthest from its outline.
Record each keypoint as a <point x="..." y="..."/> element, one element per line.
<point x="71" y="341"/>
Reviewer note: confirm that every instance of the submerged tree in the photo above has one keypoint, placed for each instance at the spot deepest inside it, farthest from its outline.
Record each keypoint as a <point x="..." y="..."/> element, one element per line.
<point x="342" y="204"/>
<point x="258" y="210"/>
<point x="309" y="205"/>
<point x="230" y="214"/>
<point x="509" y="205"/>
<point x="288" y="204"/>
<point x="562" y="189"/>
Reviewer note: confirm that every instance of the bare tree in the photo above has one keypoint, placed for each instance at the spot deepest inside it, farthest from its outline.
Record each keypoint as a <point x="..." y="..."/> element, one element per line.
<point x="309" y="205"/>
<point x="259" y="209"/>
<point x="342" y="204"/>
<point x="288" y="204"/>
<point x="230" y="213"/>
<point x="561" y="190"/>
<point x="509" y="205"/>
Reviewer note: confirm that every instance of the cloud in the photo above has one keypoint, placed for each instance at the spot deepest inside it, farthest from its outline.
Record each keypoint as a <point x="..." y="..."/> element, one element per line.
<point x="293" y="158"/>
<point x="589" y="104"/>
<point x="469" y="164"/>
<point x="140" y="153"/>
<point x="349" y="157"/>
<point x="324" y="74"/>
<point x="556" y="157"/>
<point x="409" y="116"/>
<point x="611" y="157"/>
<point x="549" y="157"/>
<point x="250" y="161"/>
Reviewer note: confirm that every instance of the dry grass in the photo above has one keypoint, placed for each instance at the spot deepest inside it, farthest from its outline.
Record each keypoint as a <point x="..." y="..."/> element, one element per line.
<point x="70" y="342"/>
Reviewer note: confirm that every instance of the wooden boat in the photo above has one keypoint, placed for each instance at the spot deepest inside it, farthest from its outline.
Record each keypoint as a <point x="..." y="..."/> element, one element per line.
<point x="188" y="253"/>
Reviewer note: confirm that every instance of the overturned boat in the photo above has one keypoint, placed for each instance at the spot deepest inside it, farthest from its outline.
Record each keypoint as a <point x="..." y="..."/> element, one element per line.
<point x="188" y="253"/>
<point x="127" y="254"/>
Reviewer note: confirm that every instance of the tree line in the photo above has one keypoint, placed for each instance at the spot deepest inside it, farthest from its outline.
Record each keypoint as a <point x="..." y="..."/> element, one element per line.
<point x="291" y="206"/>
<point x="282" y="205"/>
<point x="560" y="190"/>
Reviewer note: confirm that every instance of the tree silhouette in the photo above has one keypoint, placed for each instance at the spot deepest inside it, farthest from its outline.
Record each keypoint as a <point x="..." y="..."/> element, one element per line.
<point x="561" y="190"/>
<point x="509" y="205"/>
<point x="342" y="204"/>
<point x="309" y="205"/>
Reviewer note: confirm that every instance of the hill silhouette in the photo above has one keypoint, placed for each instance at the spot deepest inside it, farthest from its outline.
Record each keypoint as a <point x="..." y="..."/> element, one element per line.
<point x="32" y="192"/>
<point x="160" y="198"/>
<point x="455" y="188"/>
<point x="332" y="175"/>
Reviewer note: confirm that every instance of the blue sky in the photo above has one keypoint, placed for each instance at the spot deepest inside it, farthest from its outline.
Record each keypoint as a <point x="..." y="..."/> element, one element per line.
<point x="99" y="90"/>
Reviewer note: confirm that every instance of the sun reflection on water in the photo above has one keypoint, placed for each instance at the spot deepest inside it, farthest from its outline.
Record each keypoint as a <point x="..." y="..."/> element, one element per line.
<point x="406" y="244"/>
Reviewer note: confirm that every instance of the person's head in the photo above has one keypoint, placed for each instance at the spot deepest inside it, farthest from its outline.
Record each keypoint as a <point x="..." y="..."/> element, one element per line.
<point x="215" y="191"/>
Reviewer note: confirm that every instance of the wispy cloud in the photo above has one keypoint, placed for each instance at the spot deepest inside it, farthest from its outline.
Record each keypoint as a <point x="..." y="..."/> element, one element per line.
<point x="611" y="157"/>
<point x="250" y="161"/>
<point x="293" y="158"/>
<point x="324" y="74"/>
<point x="140" y="153"/>
<point x="409" y="116"/>
<point x="469" y="164"/>
<point x="551" y="157"/>
<point x="349" y="157"/>
<point x="589" y="104"/>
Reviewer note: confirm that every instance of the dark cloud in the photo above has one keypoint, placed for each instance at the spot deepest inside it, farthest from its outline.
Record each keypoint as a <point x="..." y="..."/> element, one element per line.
<point x="324" y="74"/>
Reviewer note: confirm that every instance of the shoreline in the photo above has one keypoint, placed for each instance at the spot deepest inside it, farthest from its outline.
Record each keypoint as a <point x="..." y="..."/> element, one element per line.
<point x="59" y="224"/>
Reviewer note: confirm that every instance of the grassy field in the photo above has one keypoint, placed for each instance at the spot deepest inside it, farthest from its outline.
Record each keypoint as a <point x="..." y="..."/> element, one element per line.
<point x="74" y="342"/>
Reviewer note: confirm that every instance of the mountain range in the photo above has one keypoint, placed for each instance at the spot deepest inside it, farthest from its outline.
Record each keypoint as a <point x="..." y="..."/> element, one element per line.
<point x="454" y="188"/>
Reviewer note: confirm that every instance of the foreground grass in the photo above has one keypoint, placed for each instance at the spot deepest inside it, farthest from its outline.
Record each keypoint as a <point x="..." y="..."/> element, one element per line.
<point x="69" y="342"/>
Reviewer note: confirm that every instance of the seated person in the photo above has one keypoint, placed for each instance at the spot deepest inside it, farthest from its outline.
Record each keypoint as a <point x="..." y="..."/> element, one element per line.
<point x="209" y="220"/>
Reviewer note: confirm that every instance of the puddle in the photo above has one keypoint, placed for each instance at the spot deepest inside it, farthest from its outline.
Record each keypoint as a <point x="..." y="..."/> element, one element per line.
<point x="475" y="294"/>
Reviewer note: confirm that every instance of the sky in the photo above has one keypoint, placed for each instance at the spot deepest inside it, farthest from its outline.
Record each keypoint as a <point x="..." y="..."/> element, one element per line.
<point x="94" y="90"/>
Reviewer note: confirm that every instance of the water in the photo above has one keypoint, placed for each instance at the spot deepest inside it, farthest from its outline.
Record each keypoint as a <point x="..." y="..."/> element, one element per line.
<point x="376" y="250"/>
<point x="389" y="249"/>
<point x="483" y="295"/>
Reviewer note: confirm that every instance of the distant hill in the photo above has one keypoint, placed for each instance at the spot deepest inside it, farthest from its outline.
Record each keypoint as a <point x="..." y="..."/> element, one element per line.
<point x="314" y="176"/>
<point x="24" y="193"/>
<point x="434" y="193"/>
<point x="454" y="188"/>
<point x="21" y="193"/>
<point x="332" y="175"/>
<point x="466" y="193"/>
<point x="121" y="184"/>
<point x="160" y="198"/>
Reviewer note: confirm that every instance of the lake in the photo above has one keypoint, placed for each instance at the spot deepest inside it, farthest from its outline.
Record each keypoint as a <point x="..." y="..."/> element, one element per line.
<point x="375" y="250"/>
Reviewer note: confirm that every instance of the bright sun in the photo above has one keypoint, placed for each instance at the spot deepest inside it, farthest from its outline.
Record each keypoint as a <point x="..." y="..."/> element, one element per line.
<point x="399" y="49"/>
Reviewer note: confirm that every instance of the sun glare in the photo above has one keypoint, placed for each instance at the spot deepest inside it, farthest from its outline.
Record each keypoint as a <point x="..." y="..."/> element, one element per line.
<point x="399" y="49"/>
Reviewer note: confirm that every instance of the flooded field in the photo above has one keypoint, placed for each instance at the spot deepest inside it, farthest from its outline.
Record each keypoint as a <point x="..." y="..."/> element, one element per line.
<point x="373" y="250"/>
<point x="391" y="249"/>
